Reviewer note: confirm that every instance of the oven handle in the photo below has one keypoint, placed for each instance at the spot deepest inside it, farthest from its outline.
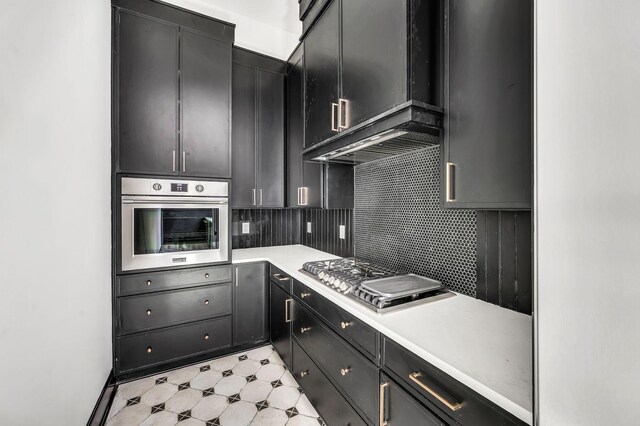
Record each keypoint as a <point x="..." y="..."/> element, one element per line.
<point x="174" y="201"/>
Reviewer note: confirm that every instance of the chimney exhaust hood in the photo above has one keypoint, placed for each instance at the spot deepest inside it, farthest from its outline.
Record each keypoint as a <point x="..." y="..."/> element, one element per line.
<point x="408" y="127"/>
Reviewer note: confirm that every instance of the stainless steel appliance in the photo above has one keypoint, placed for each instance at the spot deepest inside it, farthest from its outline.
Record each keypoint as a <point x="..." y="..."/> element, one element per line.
<point x="170" y="222"/>
<point x="378" y="288"/>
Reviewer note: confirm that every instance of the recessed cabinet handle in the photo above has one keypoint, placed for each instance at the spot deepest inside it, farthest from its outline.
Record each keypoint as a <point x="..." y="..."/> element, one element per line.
<point x="344" y="324"/>
<point x="148" y="282"/>
<point x="149" y="349"/>
<point x="334" y="108"/>
<point x="453" y="406"/>
<point x="383" y="388"/>
<point x="449" y="187"/>
<point x="345" y="371"/>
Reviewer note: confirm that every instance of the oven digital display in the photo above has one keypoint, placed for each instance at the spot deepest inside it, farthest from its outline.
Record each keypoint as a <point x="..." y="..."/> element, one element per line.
<point x="179" y="187"/>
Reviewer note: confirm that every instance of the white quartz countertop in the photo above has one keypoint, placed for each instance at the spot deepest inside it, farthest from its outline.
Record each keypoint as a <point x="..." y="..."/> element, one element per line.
<point x="485" y="347"/>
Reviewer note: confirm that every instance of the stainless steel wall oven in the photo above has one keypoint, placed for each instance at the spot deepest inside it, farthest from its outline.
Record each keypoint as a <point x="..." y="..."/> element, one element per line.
<point x="168" y="223"/>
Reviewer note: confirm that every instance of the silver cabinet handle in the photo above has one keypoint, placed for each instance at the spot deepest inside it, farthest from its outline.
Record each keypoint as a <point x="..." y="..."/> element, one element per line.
<point x="236" y="276"/>
<point x="450" y="195"/>
<point x="299" y="199"/>
<point x="334" y="126"/>
<point x="184" y="161"/>
<point x="260" y="192"/>
<point x="383" y="388"/>
<point x="304" y="195"/>
<point x="287" y="309"/>
<point x="253" y="195"/>
<point x="343" y="111"/>
<point x="173" y="167"/>
<point x="453" y="406"/>
<point x="280" y="277"/>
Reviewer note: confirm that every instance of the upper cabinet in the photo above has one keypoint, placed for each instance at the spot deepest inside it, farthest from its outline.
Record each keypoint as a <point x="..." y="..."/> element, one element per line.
<point x="487" y="147"/>
<point x="258" y="130"/>
<point x="304" y="179"/>
<point x="371" y="66"/>
<point x="172" y="91"/>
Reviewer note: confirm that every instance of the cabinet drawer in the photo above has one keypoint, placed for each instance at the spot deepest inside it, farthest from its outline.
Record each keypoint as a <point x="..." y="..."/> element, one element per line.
<point x="439" y="390"/>
<point x="400" y="408"/>
<point x="157" y="347"/>
<point x="364" y="337"/>
<point x="331" y="405"/>
<point x="279" y="277"/>
<point x="149" y="311"/>
<point x="353" y="373"/>
<point x="155" y="281"/>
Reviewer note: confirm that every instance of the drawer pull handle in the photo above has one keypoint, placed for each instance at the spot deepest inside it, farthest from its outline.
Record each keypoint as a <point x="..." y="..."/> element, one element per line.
<point x="453" y="406"/>
<point x="206" y="275"/>
<point x="149" y="349"/>
<point x="304" y="373"/>
<point x="148" y="312"/>
<point x="280" y="277"/>
<point x="303" y="295"/>
<point x="287" y="313"/>
<point x="148" y="282"/>
<point x="345" y="371"/>
<point x="206" y="302"/>
<point x="383" y="388"/>
<point x="344" y="324"/>
<point x="206" y="337"/>
<point x="305" y="329"/>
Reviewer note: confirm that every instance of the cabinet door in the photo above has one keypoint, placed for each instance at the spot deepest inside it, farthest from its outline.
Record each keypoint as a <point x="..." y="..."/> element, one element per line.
<point x="244" y="137"/>
<point x="205" y="106"/>
<point x="250" y="303"/>
<point x="488" y="133"/>
<point x="374" y="57"/>
<point x="400" y="408"/>
<point x="304" y="180"/>
<point x="147" y="91"/>
<point x="270" y="139"/>
<point x="321" y="64"/>
<point x="280" y="327"/>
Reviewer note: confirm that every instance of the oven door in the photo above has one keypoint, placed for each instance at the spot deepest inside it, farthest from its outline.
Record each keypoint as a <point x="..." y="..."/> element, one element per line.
<point x="162" y="232"/>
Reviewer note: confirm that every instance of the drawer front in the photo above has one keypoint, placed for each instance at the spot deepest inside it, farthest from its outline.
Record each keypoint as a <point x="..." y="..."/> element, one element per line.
<point x="363" y="336"/>
<point x="154" y="281"/>
<point x="400" y="408"/>
<point x="149" y="311"/>
<point x="279" y="277"/>
<point x="331" y="405"/>
<point x="353" y="373"/>
<point x="157" y="347"/>
<point x="440" y="391"/>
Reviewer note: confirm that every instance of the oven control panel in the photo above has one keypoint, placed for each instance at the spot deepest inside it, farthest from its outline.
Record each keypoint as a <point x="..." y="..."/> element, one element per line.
<point x="146" y="186"/>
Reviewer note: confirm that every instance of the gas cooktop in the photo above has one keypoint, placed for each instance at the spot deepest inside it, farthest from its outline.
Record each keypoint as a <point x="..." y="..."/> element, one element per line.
<point x="378" y="288"/>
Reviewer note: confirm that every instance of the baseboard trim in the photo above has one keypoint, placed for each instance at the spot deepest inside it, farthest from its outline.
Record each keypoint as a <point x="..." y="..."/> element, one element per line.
<point x="101" y="410"/>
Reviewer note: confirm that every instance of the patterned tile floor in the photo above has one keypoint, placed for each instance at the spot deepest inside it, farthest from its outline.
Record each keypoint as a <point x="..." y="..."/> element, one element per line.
<point x="249" y="388"/>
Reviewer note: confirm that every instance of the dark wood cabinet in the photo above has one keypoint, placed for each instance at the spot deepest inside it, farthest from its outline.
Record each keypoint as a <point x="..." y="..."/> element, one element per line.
<point x="321" y="68"/>
<point x="205" y="76"/>
<point x="172" y="91"/>
<point x="146" y="89"/>
<point x="487" y="148"/>
<point x="304" y="179"/>
<point x="250" y="304"/>
<point x="258" y="130"/>
<point x="280" y="322"/>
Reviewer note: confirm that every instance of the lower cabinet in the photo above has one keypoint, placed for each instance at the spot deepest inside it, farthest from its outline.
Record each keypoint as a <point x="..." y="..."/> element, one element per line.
<point x="250" y="303"/>
<point x="399" y="408"/>
<point x="331" y="405"/>
<point x="280" y="322"/>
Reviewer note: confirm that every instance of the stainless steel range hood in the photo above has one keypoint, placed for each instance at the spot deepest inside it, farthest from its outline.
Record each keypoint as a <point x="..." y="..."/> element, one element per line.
<point x="408" y="127"/>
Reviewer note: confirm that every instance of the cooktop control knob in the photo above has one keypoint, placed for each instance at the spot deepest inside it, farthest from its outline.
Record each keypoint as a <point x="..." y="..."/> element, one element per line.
<point x="157" y="186"/>
<point x="199" y="188"/>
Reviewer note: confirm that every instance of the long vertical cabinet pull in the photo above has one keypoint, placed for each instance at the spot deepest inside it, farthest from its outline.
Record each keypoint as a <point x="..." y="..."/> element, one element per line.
<point x="173" y="156"/>
<point x="304" y="196"/>
<point x="299" y="199"/>
<point x="287" y="310"/>
<point x="253" y="195"/>
<point x="343" y="112"/>
<point x="184" y="161"/>
<point x="335" y="121"/>
<point x="383" y="392"/>
<point x="260" y="192"/>
<point x="449" y="184"/>
<point x="236" y="276"/>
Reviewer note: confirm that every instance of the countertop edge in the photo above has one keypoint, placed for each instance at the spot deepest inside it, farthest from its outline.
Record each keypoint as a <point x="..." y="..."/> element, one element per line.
<point x="508" y="405"/>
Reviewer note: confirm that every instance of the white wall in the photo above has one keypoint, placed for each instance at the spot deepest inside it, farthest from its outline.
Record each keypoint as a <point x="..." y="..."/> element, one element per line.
<point x="270" y="27"/>
<point x="55" y="335"/>
<point x="588" y="211"/>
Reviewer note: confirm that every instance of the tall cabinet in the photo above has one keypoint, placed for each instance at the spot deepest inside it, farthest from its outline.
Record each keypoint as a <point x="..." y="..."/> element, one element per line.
<point x="258" y="130"/>
<point x="172" y="91"/>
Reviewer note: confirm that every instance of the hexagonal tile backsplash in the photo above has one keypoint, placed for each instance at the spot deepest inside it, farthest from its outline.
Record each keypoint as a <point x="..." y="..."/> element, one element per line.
<point x="399" y="222"/>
